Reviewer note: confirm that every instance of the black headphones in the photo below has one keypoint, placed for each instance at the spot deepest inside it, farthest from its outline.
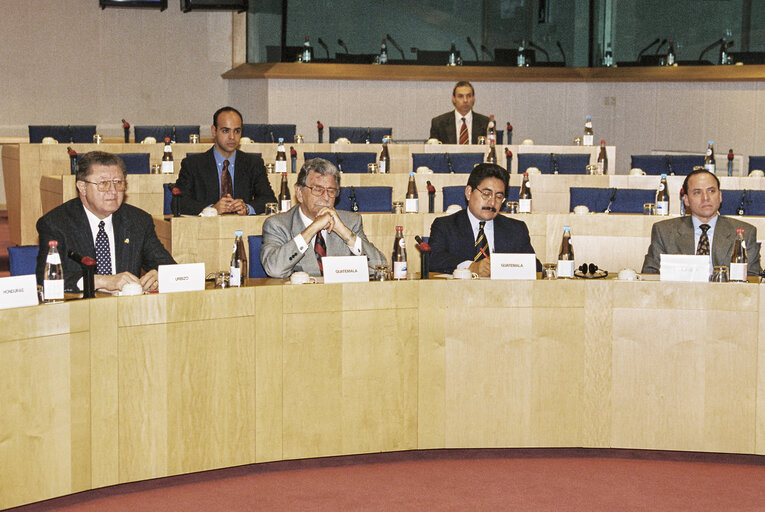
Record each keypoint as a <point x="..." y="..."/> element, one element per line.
<point x="588" y="268"/>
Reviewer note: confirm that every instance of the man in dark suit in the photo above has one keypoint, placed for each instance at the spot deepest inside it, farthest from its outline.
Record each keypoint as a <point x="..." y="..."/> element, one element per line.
<point x="704" y="231"/>
<point x="462" y="125"/>
<point x="467" y="239"/>
<point x="229" y="180"/>
<point x="120" y="237"/>
<point x="295" y="240"/>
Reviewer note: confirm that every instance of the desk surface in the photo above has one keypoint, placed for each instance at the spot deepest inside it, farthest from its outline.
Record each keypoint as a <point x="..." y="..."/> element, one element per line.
<point x="110" y="390"/>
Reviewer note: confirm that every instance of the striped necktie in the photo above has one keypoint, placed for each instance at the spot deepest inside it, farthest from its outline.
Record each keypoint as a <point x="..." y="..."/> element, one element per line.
<point x="481" y="244"/>
<point x="320" y="248"/>
<point x="463" y="132"/>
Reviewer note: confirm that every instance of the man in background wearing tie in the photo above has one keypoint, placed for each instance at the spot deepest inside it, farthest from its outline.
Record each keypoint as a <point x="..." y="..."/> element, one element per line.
<point x="467" y="239"/>
<point x="229" y="180"/>
<point x="461" y="126"/>
<point x="297" y="239"/>
<point x="97" y="223"/>
<point x="704" y="231"/>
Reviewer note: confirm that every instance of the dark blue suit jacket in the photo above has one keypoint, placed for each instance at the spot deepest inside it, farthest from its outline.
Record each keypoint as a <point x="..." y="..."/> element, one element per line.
<point x="198" y="181"/>
<point x="136" y="245"/>
<point x="452" y="240"/>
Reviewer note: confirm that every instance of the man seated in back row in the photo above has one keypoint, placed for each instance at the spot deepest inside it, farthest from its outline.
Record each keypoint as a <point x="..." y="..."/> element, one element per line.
<point x="704" y="231"/>
<point x="467" y="239"/>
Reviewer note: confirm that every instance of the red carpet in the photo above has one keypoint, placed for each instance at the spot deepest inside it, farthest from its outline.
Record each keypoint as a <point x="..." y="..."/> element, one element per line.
<point x="559" y="480"/>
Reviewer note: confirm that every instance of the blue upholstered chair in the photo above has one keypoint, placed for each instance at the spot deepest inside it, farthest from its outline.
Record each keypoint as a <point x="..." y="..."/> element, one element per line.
<point x="269" y="132"/>
<point x="369" y="199"/>
<point x="567" y="163"/>
<point x="359" y="134"/>
<point x="756" y="162"/>
<point x="159" y="132"/>
<point x="62" y="133"/>
<point x="351" y="162"/>
<point x="256" y="268"/>
<point x="456" y="195"/>
<point x="437" y="162"/>
<point x="597" y="199"/>
<point x="136" y="163"/>
<point x="754" y="202"/>
<point x="22" y="259"/>
<point x="167" y="199"/>
<point x="657" y="164"/>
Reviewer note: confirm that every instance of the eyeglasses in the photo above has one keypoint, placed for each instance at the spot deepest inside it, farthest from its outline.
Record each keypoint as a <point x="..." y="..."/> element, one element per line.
<point x="103" y="186"/>
<point x="318" y="191"/>
<point x="487" y="194"/>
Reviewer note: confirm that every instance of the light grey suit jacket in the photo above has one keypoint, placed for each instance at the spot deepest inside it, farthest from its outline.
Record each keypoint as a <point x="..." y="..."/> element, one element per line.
<point x="280" y="256"/>
<point x="675" y="236"/>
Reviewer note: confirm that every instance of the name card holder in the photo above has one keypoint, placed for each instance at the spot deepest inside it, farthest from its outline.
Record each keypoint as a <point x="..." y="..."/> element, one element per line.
<point x="345" y="269"/>
<point x="185" y="277"/>
<point x="18" y="291"/>
<point x="683" y="267"/>
<point x="513" y="266"/>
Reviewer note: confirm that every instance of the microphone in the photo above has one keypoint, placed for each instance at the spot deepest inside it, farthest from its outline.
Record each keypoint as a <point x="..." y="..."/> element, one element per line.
<point x="662" y="43"/>
<point x="741" y="210"/>
<point x="352" y="199"/>
<point x="730" y="162"/>
<point x="670" y="170"/>
<point x="423" y="246"/>
<point x="339" y="162"/>
<point x="82" y="260"/>
<point x="610" y="201"/>
<point x="563" y="54"/>
<point x="431" y="197"/>
<point x="270" y="132"/>
<point x="71" y="135"/>
<point x="486" y="51"/>
<point x="449" y="163"/>
<point x="72" y="159"/>
<point x="705" y="50"/>
<point x="368" y="136"/>
<point x="555" y="163"/>
<point x="342" y="45"/>
<point x="640" y="54"/>
<point x="470" y="42"/>
<point x="532" y="44"/>
<point x="320" y="128"/>
<point x="509" y="133"/>
<point x="396" y="45"/>
<point x="508" y="156"/>
<point x="126" y="128"/>
<point x="88" y="273"/>
<point x="324" y="45"/>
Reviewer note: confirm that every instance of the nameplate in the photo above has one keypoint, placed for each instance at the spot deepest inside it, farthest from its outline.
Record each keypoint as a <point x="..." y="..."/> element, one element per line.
<point x="513" y="266"/>
<point x="683" y="267"/>
<point x="186" y="277"/>
<point x="18" y="291"/>
<point x="345" y="269"/>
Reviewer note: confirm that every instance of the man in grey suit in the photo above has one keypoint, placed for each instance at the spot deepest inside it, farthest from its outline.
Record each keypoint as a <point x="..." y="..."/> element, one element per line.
<point x="120" y="237"/>
<point x="296" y="239"/>
<point x="462" y="120"/>
<point x="704" y="231"/>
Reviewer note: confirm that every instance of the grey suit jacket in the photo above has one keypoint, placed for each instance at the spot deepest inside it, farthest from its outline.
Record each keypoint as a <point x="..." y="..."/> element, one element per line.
<point x="675" y="236"/>
<point x="280" y="256"/>
<point x="443" y="128"/>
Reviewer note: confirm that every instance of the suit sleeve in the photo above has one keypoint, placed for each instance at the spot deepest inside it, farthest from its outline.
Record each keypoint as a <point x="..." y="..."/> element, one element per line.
<point x="187" y="184"/>
<point x="753" y="252"/>
<point x="652" y="259"/>
<point x="435" y="132"/>
<point x="261" y="192"/>
<point x="441" y="257"/>
<point x="279" y="253"/>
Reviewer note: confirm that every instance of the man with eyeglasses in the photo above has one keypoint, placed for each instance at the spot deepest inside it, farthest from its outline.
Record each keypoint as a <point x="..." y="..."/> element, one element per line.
<point x="224" y="177"/>
<point x="467" y="239"/>
<point x="98" y="224"/>
<point x="297" y="239"/>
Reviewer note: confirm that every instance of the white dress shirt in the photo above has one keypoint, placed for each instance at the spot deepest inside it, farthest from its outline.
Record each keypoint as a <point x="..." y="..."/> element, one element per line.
<point x="468" y="121"/>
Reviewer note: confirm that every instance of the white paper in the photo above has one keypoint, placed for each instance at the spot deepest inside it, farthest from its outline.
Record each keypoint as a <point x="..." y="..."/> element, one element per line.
<point x="513" y="266"/>
<point x="683" y="267"/>
<point x="345" y="269"/>
<point x="184" y="277"/>
<point x="18" y="291"/>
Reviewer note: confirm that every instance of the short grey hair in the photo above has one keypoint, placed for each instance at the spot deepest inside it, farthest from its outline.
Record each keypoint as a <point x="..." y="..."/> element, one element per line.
<point x="319" y="166"/>
<point x="88" y="160"/>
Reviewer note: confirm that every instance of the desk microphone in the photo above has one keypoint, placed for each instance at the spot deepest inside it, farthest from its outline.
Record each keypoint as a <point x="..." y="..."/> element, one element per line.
<point x="126" y="128"/>
<point x="82" y="260"/>
<point x="270" y="131"/>
<point x="555" y="163"/>
<point x="658" y="48"/>
<point x="741" y="210"/>
<point x="641" y="52"/>
<point x="532" y="44"/>
<point x="670" y="170"/>
<point x="396" y="45"/>
<point x="324" y="45"/>
<point x="470" y="42"/>
<point x="339" y="162"/>
<point x="342" y="45"/>
<point x="562" y="53"/>
<point x="610" y="202"/>
<point x="88" y="265"/>
<point x="71" y="135"/>
<point x="487" y="52"/>
<point x="449" y="163"/>
<point x="368" y="136"/>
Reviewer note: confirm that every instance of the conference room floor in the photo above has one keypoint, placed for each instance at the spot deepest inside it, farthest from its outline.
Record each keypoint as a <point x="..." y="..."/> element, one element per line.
<point x="487" y="479"/>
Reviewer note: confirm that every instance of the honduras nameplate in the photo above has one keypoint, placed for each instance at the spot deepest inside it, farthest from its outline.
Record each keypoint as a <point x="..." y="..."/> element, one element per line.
<point x="18" y="291"/>
<point x="345" y="269"/>
<point x="682" y="267"/>
<point x="185" y="277"/>
<point x="513" y="266"/>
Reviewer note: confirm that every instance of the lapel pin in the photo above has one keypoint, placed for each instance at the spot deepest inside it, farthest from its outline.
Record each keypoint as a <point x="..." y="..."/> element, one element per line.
<point x="127" y="240"/>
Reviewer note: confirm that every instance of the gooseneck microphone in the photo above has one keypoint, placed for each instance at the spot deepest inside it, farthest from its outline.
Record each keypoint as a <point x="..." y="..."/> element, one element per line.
<point x="562" y="53"/>
<point x="342" y="45"/>
<point x="324" y="45"/>
<point x="88" y="265"/>
<point x="470" y="43"/>
<point x="396" y="45"/>
<point x="641" y="52"/>
<point x="487" y="52"/>
<point x="661" y="45"/>
<point x="532" y="44"/>
<point x="610" y="202"/>
<point x="449" y="163"/>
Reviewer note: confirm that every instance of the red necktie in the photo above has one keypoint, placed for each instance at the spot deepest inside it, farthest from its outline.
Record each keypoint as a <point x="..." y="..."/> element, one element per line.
<point x="225" y="181"/>
<point x="320" y="248"/>
<point x="463" y="132"/>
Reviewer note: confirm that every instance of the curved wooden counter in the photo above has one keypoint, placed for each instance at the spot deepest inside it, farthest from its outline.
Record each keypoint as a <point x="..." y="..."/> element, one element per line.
<point x="111" y="390"/>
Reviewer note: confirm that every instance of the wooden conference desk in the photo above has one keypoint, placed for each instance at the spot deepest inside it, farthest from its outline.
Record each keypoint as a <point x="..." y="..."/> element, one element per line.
<point x="112" y="390"/>
<point x="611" y="241"/>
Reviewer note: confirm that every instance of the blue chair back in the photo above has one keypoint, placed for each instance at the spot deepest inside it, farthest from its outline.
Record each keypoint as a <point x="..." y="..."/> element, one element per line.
<point x="369" y="199"/>
<point x="567" y="163"/>
<point x="22" y="259"/>
<point x="754" y="202"/>
<point x="159" y="132"/>
<point x="756" y="162"/>
<point x="351" y="162"/>
<point x="256" y="268"/>
<point x="167" y="199"/>
<point x="359" y="134"/>
<point x="62" y="133"/>
<point x="626" y="200"/>
<point x="456" y="195"/>
<point x="269" y="132"/>
<point x="437" y="162"/>
<point x="136" y="163"/>
<point x="657" y="164"/>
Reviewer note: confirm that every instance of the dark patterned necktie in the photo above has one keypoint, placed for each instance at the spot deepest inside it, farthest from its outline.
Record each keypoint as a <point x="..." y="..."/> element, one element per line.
<point x="463" y="132"/>
<point x="320" y="248"/>
<point x="225" y="181"/>
<point x="103" y="253"/>
<point x="481" y="244"/>
<point x="703" y="248"/>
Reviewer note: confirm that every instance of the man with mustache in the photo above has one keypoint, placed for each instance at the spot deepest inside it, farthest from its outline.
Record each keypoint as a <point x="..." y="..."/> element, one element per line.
<point x="467" y="238"/>
<point x="297" y="239"/>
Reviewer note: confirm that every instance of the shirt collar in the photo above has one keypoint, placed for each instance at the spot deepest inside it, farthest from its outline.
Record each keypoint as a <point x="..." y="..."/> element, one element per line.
<point x="95" y="221"/>
<point x="712" y="223"/>
<point x="475" y="222"/>
<point x="468" y="117"/>
<point x="306" y="221"/>
<point x="220" y="158"/>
